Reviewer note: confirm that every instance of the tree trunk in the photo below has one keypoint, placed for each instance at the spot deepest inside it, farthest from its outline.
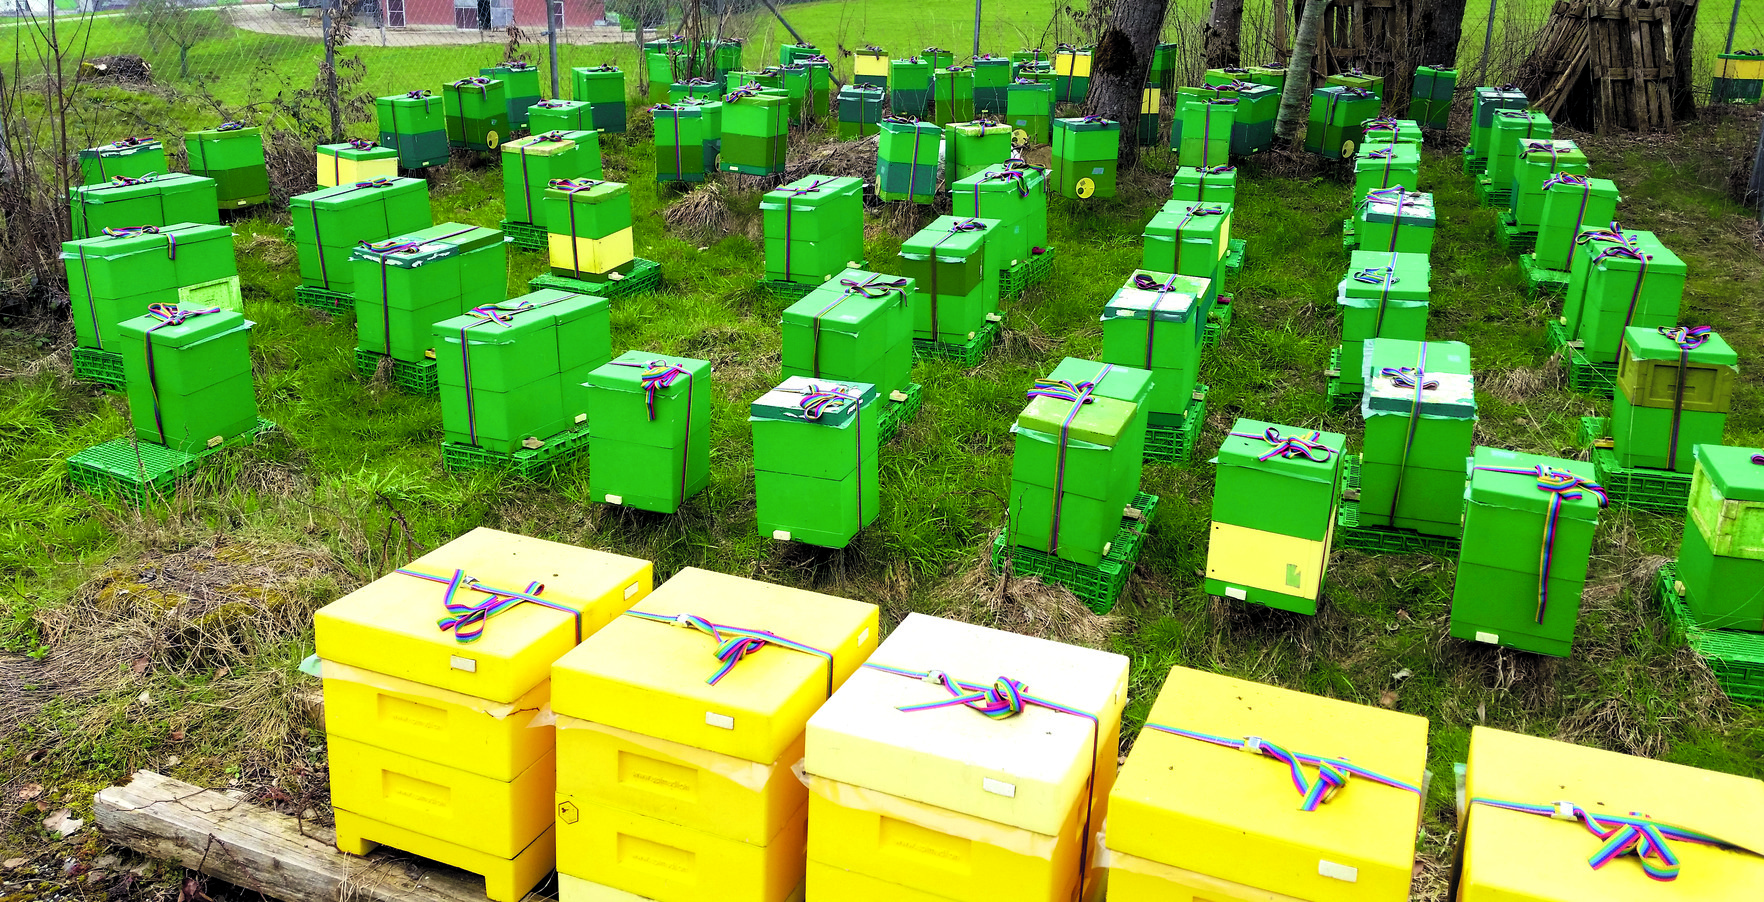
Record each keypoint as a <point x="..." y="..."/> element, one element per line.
<point x="1280" y="14"/>
<point x="1223" y="32"/>
<point x="184" y="62"/>
<point x="1442" y="28"/>
<point x="1296" y="97"/>
<point x="1121" y="65"/>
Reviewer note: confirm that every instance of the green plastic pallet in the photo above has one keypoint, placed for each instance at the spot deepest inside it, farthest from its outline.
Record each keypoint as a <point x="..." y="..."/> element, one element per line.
<point x="1350" y="238"/>
<point x="644" y="276"/>
<point x="1538" y="279"/>
<point x="324" y="300"/>
<point x="966" y="354"/>
<point x="1474" y="166"/>
<point x="1234" y="251"/>
<point x="1557" y="332"/>
<point x="1380" y="539"/>
<point x="100" y="366"/>
<point x="1032" y="271"/>
<point x="1218" y="322"/>
<point x="1515" y="239"/>
<point x="1592" y="431"/>
<point x="1175" y="444"/>
<point x="1341" y="397"/>
<point x="1489" y="196"/>
<point x="1099" y="587"/>
<point x="527" y="463"/>
<point x="788" y="292"/>
<point x="419" y="378"/>
<point x="1584" y="376"/>
<point x="1736" y="656"/>
<point x="895" y="414"/>
<point x="141" y="472"/>
<point x="1663" y="491"/>
<point x="526" y="235"/>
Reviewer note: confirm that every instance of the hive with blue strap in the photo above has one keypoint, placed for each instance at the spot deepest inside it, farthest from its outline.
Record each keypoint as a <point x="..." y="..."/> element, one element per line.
<point x="955" y="267"/>
<point x="1571" y="203"/>
<point x="964" y="764"/>
<point x="1303" y="797"/>
<point x="434" y="678"/>
<point x="814" y="229"/>
<point x="855" y="328"/>
<point x="1213" y="184"/>
<point x="330" y="223"/>
<point x="1274" y="499"/>
<point x="1384" y="166"/>
<point x="1190" y="239"/>
<point x="1015" y="194"/>
<point x="678" y="727"/>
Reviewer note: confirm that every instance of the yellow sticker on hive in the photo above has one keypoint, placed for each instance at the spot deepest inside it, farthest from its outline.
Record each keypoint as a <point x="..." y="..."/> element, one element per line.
<point x="1020" y="136"/>
<point x="1086" y="187"/>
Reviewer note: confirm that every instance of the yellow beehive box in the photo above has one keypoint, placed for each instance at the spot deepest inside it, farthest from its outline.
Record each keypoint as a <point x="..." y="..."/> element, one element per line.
<point x="591" y="255"/>
<point x="1134" y="879"/>
<point x="653" y="676"/>
<point x="575" y="889"/>
<point x="1243" y="822"/>
<point x="393" y="624"/>
<point x="927" y="849"/>
<point x="1269" y="561"/>
<point x="505" y="879"/>
<point x="497" y="817"/>
<point x="1072" y="61"/>
<point x="720" y="794"/>
<point x="335" y="169"/>
<point x="658" y="860"/>
<point x="499" y="740"/>
<point x="1515" y="856"/>
<point x="839" y="885"/>
<point x="1026" y="771"/>
<point x="870" y="62"/>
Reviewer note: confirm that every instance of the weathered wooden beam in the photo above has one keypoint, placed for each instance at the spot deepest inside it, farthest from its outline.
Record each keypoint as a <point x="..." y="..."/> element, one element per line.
<point x="263" y="851"/>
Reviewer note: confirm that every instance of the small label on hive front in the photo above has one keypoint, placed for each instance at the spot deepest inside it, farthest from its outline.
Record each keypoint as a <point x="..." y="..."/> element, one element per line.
<point x="581" y="418"/>
<point x="1490" y="638"/>
<point x="630" y="590"/>
<point x="864" y="636"/>
<point x="1342" y="872"/>
<point x="782" y="535"/>
<point x="461" y="663"/>
<point x="615" y="499"/>
<point x="1236" y="592"/>
<point x="1294" y="577"/>
<point x="721" y="721"/>
<point x="999" y="787"/>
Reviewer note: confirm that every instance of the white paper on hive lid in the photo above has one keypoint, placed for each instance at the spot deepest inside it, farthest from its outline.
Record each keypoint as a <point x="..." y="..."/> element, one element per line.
<point x="957" y="758"/>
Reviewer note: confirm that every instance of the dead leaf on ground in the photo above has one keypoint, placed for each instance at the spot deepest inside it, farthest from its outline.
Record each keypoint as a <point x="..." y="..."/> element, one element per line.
<point x="13" y="864"/>
<point x="1388" y="699"/>
<point x="30" y="791"/>
<point x="140" y="665"/>
<point x="177" y="735"/>
<point x="63" y="822"/>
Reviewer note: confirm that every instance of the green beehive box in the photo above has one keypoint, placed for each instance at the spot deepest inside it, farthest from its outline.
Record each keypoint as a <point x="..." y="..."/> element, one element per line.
<point x="1722" y="592"/>
<point x="1674" y="388"/>
<point x="1504" y="595"/>
<point x="512" y="370"/>
<point x="1419" y="434"/>
<point x="1633" y="285"/>
<point x="1387" y="166"/>
<point x="1570" y="204"/>
<point x="1385" y="295"/>
<point x="860" y="111"/>
<point x="1507" y="139"/>
<point x="1355" y="78"/>
<point x="405" y="284"/>
<point x="1484" y="104"/>
<point x="1205" y="132"/>
<point x="697" y="88"/>
<point x="1289" y="496"/>
<point x="679" y="143"/>
<point x="530" y="164"/>
<point x="909" y="85"/>
<point x="948" y="262"/>
<point x="816" y="478"/>
<point x="520" y="84"/>
<point x="1727" y="501"/>
<point x="329" y="223"/>
<point x="820" y="80"/>
<point x="117" y="276"/>
<point x="157" y="200"/>
<point x="1537" y="162"/>
<point x="1122" y="383"/>
<point x="1396" y="220"/>
<point x="952" y="95"/>
<point x="814" y="229"/>
<point x="189" y="377"/>
<point x="1252" y="127"/>
<point x="870" y="67"/>
<point x="1270" y="74"/>
<point x="906" y="160"/>
<point x="1212" y="185"/>
<point x="857" y="327"/>
<point x="1224" y="75"/>
<point x="725" y="54"/>
<point x="1189" y="239"/>
<point x="790" y="53"/>
<point x="938" y="57"/>
<point x="560" y="116"/>
<point x="973" y="146"/>
<point x="1591" y="244"/>
<point x="604" y="89"/>
<point x="1155" y="322"/>
<point x="1071" y="67"/>
<point x="1085" y="154"/>
<point x="1391" y="130"/>
<point x="992" y="80"/>
<point x="1334" y="128"/>
<point x="711" y="117"/>
<point x="1016" y="196"/>
<point x="756" y="129"/>
<point x="1028" y="108"/>
<point x="477" y="113"/>
<point x="129" y="157"/>
<point x="1064" y="498"/>
<point x="794" y="81"/>
<point x="414" y="124"/>
<point x="596" y="211"/>
<point x="660" y="66"/>
<point x="1162" y="74"/>
<point x="651" y="449"/>
<point x="1430" y="97"/>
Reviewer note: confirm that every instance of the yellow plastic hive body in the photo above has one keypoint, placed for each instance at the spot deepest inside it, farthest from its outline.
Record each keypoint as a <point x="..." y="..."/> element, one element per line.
<point x="390" y="625"/>
<point x="334" y="170"/>
<point x="575" y="889"/>
<point x="496" y="817"/>
<point x="865" y="64"/>
<point x="593" y="255"/>
<point x="1023" y="771"/>
<point x="1138" y="880"/>
<point x="1074" y="64"/>
<point x="719" y="794"/>
<point x="659" y="860"/>
<point x="1266" y="560"/>
<point x="492" y="739"/>
<point x="505" y="879"/>
<point x="1511" y="856"/>
<point x="934" y="850"/>
<point x="827" y="883"/>
<point x="1236" y="816"/>
<point x="1743" y="70"/>
<point x="652" y="678"/>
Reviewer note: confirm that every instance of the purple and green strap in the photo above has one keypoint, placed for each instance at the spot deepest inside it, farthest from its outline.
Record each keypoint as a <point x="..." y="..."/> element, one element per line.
<point x="1646" y="839"/>
<point x="1332" y="773"/>
<point x="1144" y="282"/>
<point x="1571" y="180"/>
<point x="467" y="621"/>
<point x="1414" y="377"/>
<point x="657" y="376"/>
<point x="1688" y="339"/>
<point x="735" y="643"/>
<point x="168" y="315"/>
<point x="1310" y="447"/>
<point x="1562" y="486"/>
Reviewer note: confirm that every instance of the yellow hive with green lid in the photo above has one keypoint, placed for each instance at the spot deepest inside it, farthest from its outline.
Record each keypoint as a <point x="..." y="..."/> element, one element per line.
<point x="1191" y="799"/>
<point x="1526" y="838"/>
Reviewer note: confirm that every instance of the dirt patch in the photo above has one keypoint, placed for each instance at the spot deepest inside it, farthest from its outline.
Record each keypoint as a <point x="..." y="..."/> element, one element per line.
<point x="702" y="216"/>
<point x="854" y="159"/>
<point x="1023" y="605"/>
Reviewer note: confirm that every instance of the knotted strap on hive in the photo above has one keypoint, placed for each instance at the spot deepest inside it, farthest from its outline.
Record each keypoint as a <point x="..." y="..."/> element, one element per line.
<point x="1190" y="214"/>
<point x="1562" y="486"/>
<point x="1310" y="447"/>
<point x="467" y="621"/>
<point x="1384" y="277"/>
<point x="735" y="643"/>
<point x="1144" y="282"/>
<point x="1414" y="377"/>
<point x="1397" y="195"/>
<point x="1648" y="840"/>
<point x="1570" y="180"/>
<point x="1629" y="249"/>
<point x="1332" y="773"/>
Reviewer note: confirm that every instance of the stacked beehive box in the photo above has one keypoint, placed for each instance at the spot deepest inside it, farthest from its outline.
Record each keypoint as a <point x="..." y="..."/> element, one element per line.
<point x="860" y="111"/>
<point x="756" y="131"/>
<point x="1657" y="830"/>
<point x="791" y="81"/>
<point x="1739" y="77"/>
<point x="1420" y="412"/>
<point x="856" y="328"/>
<point x="952" y="95"/>
<point x="649" y="431"/>
<point x="520" y="86"/>
<point x="1391" y="130"/>
<point x="560" y="116"/>
<point x="129" y="157"/>
<point x="1151" y="105"/>
<point x="1085" y="154"/>
<point x="512" y="371"/>
<point x="1252" y="126"/>
<point x="697" y="88"/>
<point x="950" y="261"/>
<point x="119" y="274"/>
<point x="1528" y="532"/>
<point x="814" y="228"/>
<point x="1028" y="108"/>
<point x="1507" y="138"/>
<point x="1274" y="498"/>
<point x="1385" y="295"/>
<point x="972" y="146"/>
<point x="1080" y="445"/>
<point x="1396" y="220"/>
<point x="232" y="155"/>
<point x="188" y="374"/>
<point x="1211" y="185"/>
<point x="790" y="53"/>
<point x="1071" y="66"/>
<point x="330" y="223"/>
<point x="906" y="160"/>
<point x="531" y="164"/>
<point x="355" y="161"/>
<point x="407" y="283"/>
<point x="964" y="765"/>
<point x="588" y="226"/>
<point x="1239" y="834"/>
<point x="1356" y="78"/>
<point x="1016" y="196"/>
<point x="1387" y="166"/>
<point x="414" y="124"/>
<point x="1202" y="133"/>
<point x="1537" y="162"/>
<point x="1336" y="114"/>
<point x="675" y="757"/>
<point x="909" y="86"/>
<point x="1430" y="97"/>
<point x="870" y="67"/>
<point x="1617" y="280"/>
<point x="992" y="81"/>
<point x="820" y="73"/>
<point x="1272" y="74"/>
<point x="604" y="88"/>
<point x="1721" y="559"/>
<point x="156" y="200"/>
<point x="1155" y="322"/>
<point x="662" y="62"/>
<point x="1484" y="105"/>
<point x="679" y="143"/>
<point x="1571" y="203"/>
<point x="1190" y="239"/>
<point x="435" y="737"/>
<point x="476" y="110"/>
<point x="1674" y="388"/>
<point x="815" y="474"/>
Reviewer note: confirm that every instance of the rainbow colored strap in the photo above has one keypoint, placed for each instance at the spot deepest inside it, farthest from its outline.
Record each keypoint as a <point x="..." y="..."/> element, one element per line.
<point x="1648" y="840"/>
<point x="1310" y="447"/>
<point x="1562" y="486"/>
<point x="1332" y="773"/>
<point x="735" y="643"/>
<point x="1688" y="339"/>
<point x="467" y="621"/>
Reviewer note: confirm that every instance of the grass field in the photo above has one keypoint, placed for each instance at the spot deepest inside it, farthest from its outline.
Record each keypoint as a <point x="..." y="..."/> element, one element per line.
<point x="169" y="639"/>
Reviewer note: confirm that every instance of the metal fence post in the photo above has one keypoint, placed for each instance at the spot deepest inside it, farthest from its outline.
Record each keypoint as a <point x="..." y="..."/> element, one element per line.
<point x="328" y="23"/>
<point x="554" y="22"/>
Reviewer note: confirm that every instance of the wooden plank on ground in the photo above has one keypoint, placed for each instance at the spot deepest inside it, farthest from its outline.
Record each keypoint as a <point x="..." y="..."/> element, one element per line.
<point x="261" y="850"/>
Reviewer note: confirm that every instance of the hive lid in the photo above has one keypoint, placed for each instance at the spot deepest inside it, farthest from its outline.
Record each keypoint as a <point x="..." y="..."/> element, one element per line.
<point x="1520" y="491"/>
<point x="1100" y="421"/>
<point x="1251" y="440"/>
<point x="1737" y="475"/>
<point x="824" y="402"/>
<point x="174" y="327"/>
<point x="1653" y="344"/>
<point x="1447" y="388"/>
<point x="1156" y="295"/>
